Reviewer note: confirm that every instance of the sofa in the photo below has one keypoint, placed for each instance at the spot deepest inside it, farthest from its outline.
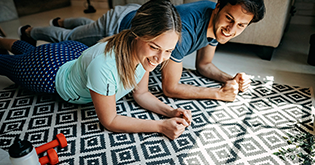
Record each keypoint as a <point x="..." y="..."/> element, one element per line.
<point x="265" y="35"/>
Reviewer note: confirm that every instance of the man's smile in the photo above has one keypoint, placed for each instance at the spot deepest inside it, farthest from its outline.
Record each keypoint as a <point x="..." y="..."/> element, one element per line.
<point x="225" y="34"/>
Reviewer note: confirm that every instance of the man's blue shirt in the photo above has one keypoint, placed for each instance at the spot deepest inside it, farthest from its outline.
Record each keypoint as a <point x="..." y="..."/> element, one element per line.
<point x="195" y="19"/>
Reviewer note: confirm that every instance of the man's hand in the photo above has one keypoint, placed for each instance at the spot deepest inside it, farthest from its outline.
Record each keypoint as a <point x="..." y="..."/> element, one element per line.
<point x="243" y="81"/>
<point x="228" y="91"/>
<point x="173" y="127"/>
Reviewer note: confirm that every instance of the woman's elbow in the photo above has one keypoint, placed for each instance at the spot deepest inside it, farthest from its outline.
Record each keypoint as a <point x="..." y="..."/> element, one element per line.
<point x="110" y="127"/>
<point x="169" y="91"/>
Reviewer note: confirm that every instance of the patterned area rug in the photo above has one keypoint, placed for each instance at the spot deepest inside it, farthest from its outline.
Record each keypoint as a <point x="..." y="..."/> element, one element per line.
<point x="246" y="131"/>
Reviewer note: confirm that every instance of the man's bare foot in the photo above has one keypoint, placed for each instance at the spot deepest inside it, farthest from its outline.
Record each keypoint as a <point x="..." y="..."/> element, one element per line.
<point x="28" y="31"/>
<point x="24" y="33"/>
<point x="58" y="22"/>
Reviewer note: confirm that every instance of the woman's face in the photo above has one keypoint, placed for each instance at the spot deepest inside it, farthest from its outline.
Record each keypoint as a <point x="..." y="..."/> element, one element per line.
<point x="152" y="53"/>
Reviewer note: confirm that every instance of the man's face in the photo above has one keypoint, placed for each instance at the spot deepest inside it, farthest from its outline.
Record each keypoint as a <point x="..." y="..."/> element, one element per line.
<point x="229" y="22"/>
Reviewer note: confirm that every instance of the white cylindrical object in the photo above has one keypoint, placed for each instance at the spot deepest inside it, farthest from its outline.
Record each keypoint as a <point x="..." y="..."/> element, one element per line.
<point x="29" y="159"/>
<point x="23" y="153"/>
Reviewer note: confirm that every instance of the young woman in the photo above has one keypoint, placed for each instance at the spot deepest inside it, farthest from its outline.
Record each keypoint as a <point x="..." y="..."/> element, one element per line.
<point x="107" y="71"/>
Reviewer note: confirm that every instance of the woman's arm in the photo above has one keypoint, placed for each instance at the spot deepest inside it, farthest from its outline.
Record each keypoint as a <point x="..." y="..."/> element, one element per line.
<point x="105" y="107"/>
<point x="148" y="101"/>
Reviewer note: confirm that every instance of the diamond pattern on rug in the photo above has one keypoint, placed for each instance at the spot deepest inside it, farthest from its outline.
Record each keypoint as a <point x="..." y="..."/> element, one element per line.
<point x="245" y="131"/>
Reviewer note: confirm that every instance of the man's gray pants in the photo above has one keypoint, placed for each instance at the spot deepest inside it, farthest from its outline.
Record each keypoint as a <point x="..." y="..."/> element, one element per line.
<point x="83" y="29"/>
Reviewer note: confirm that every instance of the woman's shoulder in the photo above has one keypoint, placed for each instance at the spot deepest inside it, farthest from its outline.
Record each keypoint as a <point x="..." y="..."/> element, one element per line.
<point x="98" y="47"/>
<point x="99" y="58"/>
<point x="96" y="51"/>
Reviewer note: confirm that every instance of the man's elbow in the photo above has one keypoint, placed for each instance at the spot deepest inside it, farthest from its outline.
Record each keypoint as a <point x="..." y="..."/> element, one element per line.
<point x="201" y="68"/>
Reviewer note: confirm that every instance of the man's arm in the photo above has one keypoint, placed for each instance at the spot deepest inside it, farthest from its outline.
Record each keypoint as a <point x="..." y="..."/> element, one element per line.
<point x="171" y="75"/>
<point x="205" y="66"/>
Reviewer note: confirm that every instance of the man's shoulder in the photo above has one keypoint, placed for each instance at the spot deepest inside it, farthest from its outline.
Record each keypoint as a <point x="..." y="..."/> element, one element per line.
<point x="195" y="10"/>
<point x="197" y="5"/>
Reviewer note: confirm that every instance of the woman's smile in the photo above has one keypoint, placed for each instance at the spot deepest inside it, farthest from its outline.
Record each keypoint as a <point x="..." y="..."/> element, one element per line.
<point x="154" y="52"/>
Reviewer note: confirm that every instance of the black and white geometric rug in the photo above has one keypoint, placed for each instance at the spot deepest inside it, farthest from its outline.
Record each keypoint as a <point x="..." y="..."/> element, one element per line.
<point x="246" y="131"/>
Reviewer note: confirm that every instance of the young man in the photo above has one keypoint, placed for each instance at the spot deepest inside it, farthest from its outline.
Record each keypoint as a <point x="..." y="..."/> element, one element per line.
<point x="204" y="25"/>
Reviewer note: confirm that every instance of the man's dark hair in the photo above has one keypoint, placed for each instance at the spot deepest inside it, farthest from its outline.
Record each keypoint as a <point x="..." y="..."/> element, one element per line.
<point x="256" y="7"/>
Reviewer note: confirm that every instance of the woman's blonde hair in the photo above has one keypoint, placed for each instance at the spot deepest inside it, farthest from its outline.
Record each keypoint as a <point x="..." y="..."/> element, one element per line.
<point x="151" y="20"/>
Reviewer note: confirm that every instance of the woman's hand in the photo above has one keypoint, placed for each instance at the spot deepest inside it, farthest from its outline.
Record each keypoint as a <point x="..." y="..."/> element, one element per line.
<point x="185" y="114"/>
<point x="173" y="127"/>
